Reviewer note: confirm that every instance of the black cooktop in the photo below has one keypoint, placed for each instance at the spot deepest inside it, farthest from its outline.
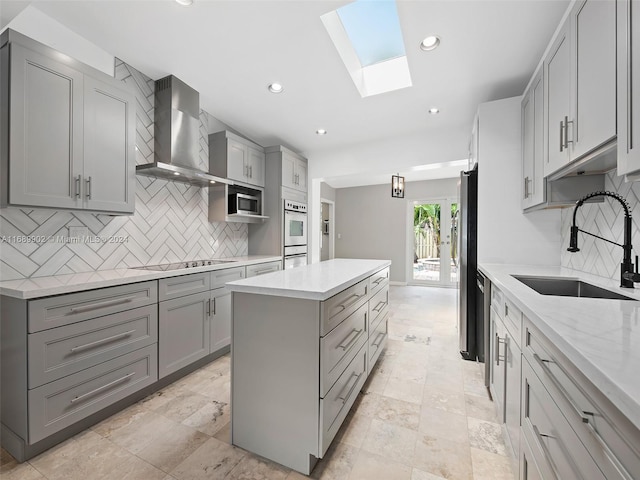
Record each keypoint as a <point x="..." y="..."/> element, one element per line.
<point x="181" y="265"/>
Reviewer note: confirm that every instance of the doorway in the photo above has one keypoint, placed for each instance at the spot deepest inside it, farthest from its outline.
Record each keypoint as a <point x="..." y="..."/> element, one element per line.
<point x="433" y="233"/>
<point x="327" y="243"/>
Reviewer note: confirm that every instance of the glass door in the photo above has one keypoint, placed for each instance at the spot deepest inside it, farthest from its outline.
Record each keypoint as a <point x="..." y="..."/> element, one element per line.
<point x="434" y="234"/>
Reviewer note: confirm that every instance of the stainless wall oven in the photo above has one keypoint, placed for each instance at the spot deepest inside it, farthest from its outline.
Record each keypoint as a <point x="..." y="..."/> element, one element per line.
<point x="295" y="234"/>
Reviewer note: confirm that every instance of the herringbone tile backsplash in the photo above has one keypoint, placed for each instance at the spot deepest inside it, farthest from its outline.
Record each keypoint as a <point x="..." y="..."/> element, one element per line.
<point x="605" y="219"/>
<point x="170" y="222"/>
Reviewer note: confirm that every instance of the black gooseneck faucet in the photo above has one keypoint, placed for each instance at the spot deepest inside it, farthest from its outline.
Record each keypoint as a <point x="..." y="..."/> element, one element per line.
<point x="627" y="275"/>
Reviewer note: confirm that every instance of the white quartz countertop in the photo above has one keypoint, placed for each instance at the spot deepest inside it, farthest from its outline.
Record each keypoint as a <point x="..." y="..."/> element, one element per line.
<point x="77" y="282"/>
<point x="599" y="336"/>
<point x="318" y="281"/>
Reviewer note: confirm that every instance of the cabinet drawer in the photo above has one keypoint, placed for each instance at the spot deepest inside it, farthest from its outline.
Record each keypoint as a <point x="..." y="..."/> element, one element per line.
<point x="341" y="305"/>
<point x="262" y="268"/>
<point x="336" y="404"/>
<point x="497" y="300"/>
<point x="378" y="280"/>
<point x="62" y="351"/>
<point x="613" y="443"/>
<point x="378" y="305"/>
<point x="59" y="404"/>
<point x="544" y="422"/>
<point x="377" y="341"/>
<point x="183" y="285"/>
<point x="338" y="347"/>
<point x="66" y="309"/>
<point x="513" y="320"/>
<point x="220" y="277"/>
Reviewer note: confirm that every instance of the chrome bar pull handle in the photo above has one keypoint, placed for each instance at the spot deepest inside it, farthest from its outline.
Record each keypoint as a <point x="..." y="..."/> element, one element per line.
<point x="102" y="341"/>
<point x="566" y="132"/>
<point x="76" y="182"/>
<point x="88" y="192"/>
<point x="103" y="387"/>
<point x="561" y="135"/>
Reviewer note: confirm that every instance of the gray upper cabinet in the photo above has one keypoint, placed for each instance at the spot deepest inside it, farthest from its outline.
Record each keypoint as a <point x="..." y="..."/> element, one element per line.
<point x="294" y="171"/>
<point x="109" y="153"/>
<point x="628" y="63"/>
<point x="71" y="132"/>
<point x="580" y="88"/>
<point x="557" y="68"/>
<point x="533" y="182"/>
<point x="236" y="158"/>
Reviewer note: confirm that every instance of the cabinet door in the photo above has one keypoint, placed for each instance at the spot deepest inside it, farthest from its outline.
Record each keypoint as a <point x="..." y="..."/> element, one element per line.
<point x="512" y="391"/>
<point x="109" y="139"/>
<point x="183" y="332"/>
<point x="301" y="175"/>
<point x="595" y="57"/>
<point x="528" y="129"/>
<point x="45" y="138"/>
<point x="256" y="166"/>
<point x="538" y="186"/>
<point x="628" y="62"/>
<point x="237" y="161"/>
<point x="288" y="170"/>
<point x="558" y="100"/>
<point x="528" y="468"/>
<point x="498" y="367"/>
<point x="220" y="329"/>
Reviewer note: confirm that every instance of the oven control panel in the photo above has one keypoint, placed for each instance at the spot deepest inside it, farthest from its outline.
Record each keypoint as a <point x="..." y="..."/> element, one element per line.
<point x="295" y="206"/>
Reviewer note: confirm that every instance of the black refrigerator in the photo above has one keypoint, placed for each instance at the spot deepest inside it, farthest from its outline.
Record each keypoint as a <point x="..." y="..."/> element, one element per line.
<point x="470" y="308"/>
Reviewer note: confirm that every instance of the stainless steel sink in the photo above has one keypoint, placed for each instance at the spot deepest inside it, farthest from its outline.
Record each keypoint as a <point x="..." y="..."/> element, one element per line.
<point x="568" y="287"/>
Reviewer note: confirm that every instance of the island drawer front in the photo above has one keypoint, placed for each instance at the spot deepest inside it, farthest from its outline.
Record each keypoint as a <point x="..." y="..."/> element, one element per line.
<point x="378" y="304"/>
<point x="377" y="341"/>
<point x="341" y="305"/>
<point x="335" y="406"/>
<point x="497" y="300"/>
<point x="220" y="277"/>
<point x="175" y="287"/>
<point x="59" y="404"/>
<point x="338" y="348"/>
<point x="58" y="352"/>
<point x="613" y="443"/>
<point x="263" y="268"/>
<point x="544" y="422"/>
<point x="378" y="280"/>
<point x="62" y="310"/>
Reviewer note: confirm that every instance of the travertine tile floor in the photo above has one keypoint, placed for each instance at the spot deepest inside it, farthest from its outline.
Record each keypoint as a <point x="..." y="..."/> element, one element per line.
<point x="423" y="415"/>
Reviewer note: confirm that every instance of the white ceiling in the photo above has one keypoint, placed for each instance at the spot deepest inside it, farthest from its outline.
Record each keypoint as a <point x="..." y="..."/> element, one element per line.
<point x="231" y="50"/>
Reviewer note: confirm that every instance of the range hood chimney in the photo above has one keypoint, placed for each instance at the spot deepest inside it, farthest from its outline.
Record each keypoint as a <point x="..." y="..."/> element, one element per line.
<point x="177" y="135"/>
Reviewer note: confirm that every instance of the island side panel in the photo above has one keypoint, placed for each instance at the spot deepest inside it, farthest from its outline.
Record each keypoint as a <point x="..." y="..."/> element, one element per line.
<point x="275" y="378"/>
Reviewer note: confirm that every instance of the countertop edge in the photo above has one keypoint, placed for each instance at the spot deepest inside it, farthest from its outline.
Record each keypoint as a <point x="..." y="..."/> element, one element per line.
<point x="136" y="276"/>
<point x="238" y="286"/>
<point x="622" y="400"/>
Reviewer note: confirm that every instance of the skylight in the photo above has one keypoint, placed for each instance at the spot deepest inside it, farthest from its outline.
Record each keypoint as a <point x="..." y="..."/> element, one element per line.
<point x="368" y="38"/>
<point x="374" y="30"/>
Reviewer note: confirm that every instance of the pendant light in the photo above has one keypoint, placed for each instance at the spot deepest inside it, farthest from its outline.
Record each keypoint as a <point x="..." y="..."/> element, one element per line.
<point x="397" y="186"/>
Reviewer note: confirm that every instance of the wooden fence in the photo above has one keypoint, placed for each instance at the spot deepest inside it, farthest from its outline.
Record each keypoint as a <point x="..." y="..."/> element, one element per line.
<point x="426" y="244"/>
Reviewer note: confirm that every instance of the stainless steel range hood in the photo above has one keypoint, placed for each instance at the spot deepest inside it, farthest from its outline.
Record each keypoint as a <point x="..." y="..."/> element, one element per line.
<point x="177" y="135"/>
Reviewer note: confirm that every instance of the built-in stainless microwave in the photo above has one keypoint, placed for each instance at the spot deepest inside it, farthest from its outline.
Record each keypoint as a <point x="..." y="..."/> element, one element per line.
<point x="244" y="204"/>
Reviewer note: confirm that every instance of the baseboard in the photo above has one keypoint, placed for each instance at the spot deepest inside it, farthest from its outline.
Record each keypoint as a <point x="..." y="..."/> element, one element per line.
<point x="400" y="284"/>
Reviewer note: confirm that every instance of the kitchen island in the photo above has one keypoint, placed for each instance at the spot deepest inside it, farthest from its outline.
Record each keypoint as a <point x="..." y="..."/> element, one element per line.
<point x="303" y="343"/>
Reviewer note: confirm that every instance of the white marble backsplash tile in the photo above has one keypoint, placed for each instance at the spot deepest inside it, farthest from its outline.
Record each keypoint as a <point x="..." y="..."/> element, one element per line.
<point x="606" y="220"/>
<point x="170" y="223"/>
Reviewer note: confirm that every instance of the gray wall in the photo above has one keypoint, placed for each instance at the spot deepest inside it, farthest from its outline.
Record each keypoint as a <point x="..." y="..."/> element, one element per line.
<point x="374" y="225"/>
<point x="327" y="192"/>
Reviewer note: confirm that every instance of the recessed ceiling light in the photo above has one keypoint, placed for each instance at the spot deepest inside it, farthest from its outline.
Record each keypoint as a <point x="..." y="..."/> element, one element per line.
<point x="321" y="131"/>
<point x="176" y="173"/>
<point x="275" y="87"/>
<point x="212" y="181"/>
<point x="185" y="3"/>
<point x="430" y="43"/>
<point x="434" y="110"/>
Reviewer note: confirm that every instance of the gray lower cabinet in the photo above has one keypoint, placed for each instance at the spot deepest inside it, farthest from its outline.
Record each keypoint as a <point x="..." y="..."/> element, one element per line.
<point x="220" y="322"/>
<point x="263" y="268"/>
<point x="71" y="132"/>
<point x="183" y="331"/>
<point x="497" y="358"/>
<point x="66" y="357"/>
<point x="298" y="366"/>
